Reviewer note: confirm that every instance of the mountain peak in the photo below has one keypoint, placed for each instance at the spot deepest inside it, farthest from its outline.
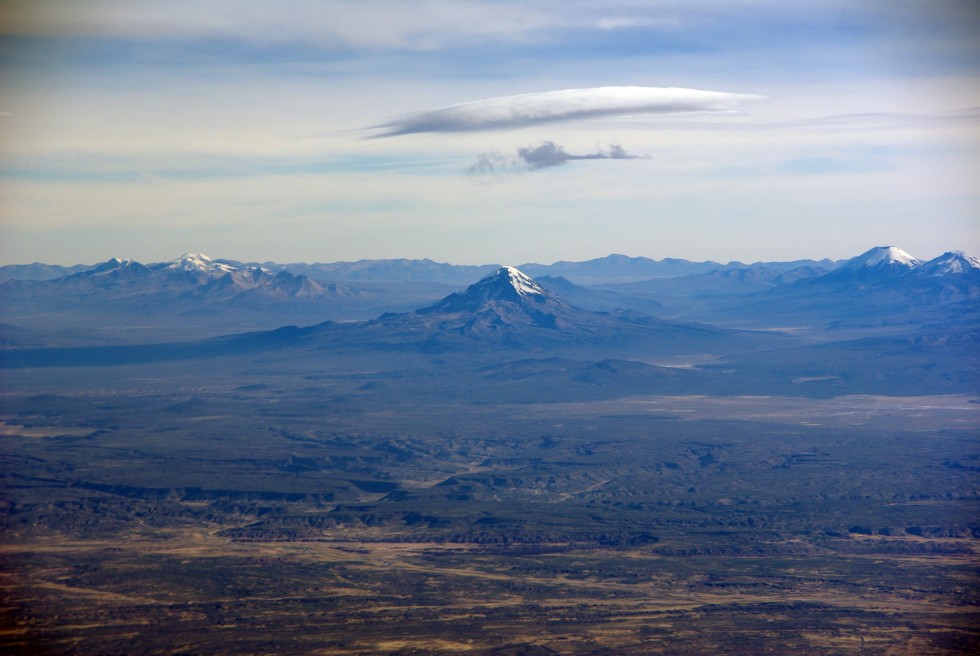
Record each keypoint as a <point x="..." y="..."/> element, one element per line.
<point x="952" y="263"/>
<point x="199" y="262"/>
<point x="508" y="284"/>
<point x="882" y="256"/>
<point x="112" y="264"/>
<point x="515" y="279"/>
<point x="504" y="292"/>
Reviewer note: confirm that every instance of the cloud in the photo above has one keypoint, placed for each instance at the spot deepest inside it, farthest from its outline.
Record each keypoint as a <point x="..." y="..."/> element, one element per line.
<point x="551" y="154"/>
<point x="629" y="22"/>
<point x="542" y="156"/>
<point x="421" y="25"/>
<point x="565" y="105"/>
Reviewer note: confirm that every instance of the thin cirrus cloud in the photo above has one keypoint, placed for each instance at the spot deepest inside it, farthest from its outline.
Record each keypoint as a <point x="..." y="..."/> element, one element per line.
<point x="564" y="105"/>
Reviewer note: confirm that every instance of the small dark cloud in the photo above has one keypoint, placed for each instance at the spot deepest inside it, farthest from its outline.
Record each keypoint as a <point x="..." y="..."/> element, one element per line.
<point x="534" y="158"/>
<point x="543" y="156"/>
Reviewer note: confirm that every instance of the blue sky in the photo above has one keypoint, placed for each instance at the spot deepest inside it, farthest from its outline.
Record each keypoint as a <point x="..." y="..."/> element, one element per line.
<point x="290" y="131"/>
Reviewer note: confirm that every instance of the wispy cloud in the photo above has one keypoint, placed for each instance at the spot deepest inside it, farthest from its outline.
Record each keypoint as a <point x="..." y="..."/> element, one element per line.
<point x="564" y="105"/>
<point x="339" y="24"/>
<point x="533" y="158"/>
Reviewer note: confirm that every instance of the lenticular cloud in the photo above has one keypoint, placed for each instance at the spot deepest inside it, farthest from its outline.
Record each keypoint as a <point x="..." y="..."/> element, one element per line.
<point x="564" y="105"/>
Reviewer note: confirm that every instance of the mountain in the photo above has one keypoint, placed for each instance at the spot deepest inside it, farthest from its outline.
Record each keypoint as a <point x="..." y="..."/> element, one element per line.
<point x="889" y="270"/>
<point x="195" y="296"/>
<point x="951" y="264"/>
<point x="872" y="338"/>
<point x="508" y="309"/>
<point x="189" y="276"/>
<point x="611" y="269"/>
<point x="37" y="271"/>
<point x="200" y="267"/>
<point x="597" y="299"/>
<point x="390" y="270"/>
<point x="882" y="289"/>
<point x="621" y="269"/>
<point x="192" y="296"/>
<point x="508" y="297"/>
<point x="618" y="268"/>
<point x="951" y="278"/>
<point x="504" y="311"/>
<point x="825" y="264"/>
<point x="877" y="265"/>
<point x="722" y="281"/>
<point x="111" y="273"/>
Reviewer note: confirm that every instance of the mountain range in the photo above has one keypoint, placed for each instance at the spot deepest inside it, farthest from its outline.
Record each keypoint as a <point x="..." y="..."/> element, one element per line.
<point x="609" y="269"/>
<point x="507" y="336"/>
<point x="194" y="296"/>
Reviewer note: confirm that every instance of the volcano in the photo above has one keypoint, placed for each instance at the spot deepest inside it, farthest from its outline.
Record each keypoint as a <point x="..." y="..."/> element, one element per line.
<point x="508" y="309"/>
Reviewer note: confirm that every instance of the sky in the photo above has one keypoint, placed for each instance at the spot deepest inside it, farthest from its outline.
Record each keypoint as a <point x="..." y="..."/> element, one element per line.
<point x="480" y="132"/>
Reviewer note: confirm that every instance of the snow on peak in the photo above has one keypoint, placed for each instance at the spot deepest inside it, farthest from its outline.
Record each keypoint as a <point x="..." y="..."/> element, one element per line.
<point x="111" y="265"/>
<point x="199" y="262"/>
<point x="882" y="256"/>
<point x="507" y="285"/>
<point x="951" y="263"/>
<point x="519" y="281"/>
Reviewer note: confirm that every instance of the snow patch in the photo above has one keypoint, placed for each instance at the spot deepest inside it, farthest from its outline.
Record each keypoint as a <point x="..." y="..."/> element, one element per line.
<point x="953" y="263"/>
<point x="882" y="256"/>
<point x="519" y="281"/>
<point x="200" y="262"/>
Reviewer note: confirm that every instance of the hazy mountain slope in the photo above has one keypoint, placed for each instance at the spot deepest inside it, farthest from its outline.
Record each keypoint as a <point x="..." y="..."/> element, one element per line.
<point x="618" y="268"/>
<point x="38" y="271"/>
<point x="393" y="270"/>
<point x="598" y="299"/>
<point x="721" y="281"/>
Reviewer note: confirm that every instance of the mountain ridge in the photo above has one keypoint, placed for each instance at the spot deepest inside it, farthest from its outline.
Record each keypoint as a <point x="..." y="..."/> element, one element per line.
<point x="197" y="296"/>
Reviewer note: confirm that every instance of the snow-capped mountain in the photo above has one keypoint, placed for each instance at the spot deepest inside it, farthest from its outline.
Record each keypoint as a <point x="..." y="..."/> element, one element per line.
<point x="114" y="271"/>
<point x="951" y="277"/>
<point x="199" y="263"/>
<point x="884" y="285"/>
<point x="508" y="297"/>
<point x="881" y="256"/>
<point x="510" y="310"/>
<point x="194" y="269"/>
<point x="876" y="265"/>
<point x="950" y="264"/>
<point x="890" y="268"/>
<point x="123" y="299"/>
<point x="192" y="275"/>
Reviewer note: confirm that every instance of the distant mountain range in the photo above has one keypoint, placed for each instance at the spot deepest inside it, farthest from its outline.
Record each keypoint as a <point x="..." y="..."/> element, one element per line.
<point x="506" y="311"/>
<point x="609" y="269"/>
<point x="887" y="265"/>
<point x="194" y="296"/>
<point x="884" y="286"/>
<point x="191" y="296"/>
<point x="880" y="323"/>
